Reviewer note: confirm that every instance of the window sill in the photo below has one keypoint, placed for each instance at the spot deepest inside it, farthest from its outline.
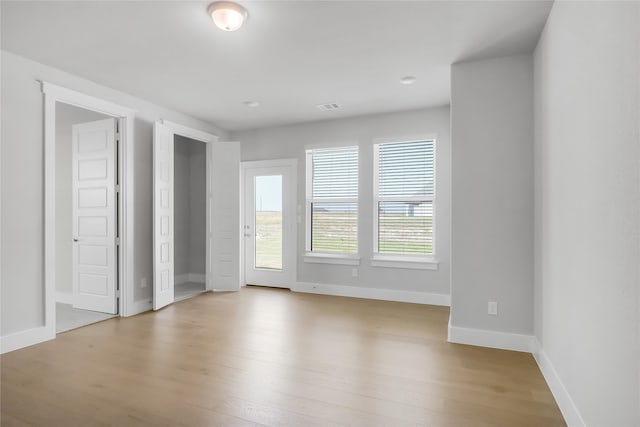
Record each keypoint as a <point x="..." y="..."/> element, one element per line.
<point x="404" y="262"/>
<point x="331" y="259"/>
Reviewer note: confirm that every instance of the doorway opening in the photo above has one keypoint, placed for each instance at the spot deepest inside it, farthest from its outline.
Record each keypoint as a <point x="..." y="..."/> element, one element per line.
<point x="190" y="210"/>
<point x="86" y="216"/>
<point x="123" y="119"/>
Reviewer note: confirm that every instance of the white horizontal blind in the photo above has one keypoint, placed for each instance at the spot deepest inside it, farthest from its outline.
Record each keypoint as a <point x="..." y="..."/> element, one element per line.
<point x="405" y="196"/>
<point x="332" y="200"/>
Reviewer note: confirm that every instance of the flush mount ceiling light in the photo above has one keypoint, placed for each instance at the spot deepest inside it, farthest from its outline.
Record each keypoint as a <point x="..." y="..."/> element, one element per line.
<point x="251" y="104"/>
<point x="407" y="80"/>
<point x="227" y="16"/>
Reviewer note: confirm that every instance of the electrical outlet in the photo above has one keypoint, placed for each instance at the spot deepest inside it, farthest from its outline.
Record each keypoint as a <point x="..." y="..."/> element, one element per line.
<point x="354" y="272"/>
<point x="492" y="308"/>
<point x="143" y="282"/>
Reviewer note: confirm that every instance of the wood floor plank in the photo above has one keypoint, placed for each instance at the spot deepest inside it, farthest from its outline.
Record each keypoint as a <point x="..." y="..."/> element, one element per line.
<point x="272" y="357"/>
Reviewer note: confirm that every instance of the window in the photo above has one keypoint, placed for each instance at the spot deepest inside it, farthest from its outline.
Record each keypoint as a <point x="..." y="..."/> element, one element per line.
<point x="404" y="197"/>
<point x="332" y="200"/>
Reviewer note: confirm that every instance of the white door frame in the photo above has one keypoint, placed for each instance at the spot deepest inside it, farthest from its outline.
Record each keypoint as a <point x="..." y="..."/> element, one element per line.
<point x="126" y="116"/>
<point x="258" y="164"/>
<point x="207" y="138"/>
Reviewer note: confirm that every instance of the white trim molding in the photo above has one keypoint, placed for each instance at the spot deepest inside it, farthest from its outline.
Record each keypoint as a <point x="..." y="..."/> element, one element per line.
<point x="373" y="293"/>
<point x="197" y="278"/>
<point x="256" y="164"/>
<point x="406" y="138"/>
<point x="320" y="258"/>
<point x="568" y="408"/>
<point x="64" y="297"/>
<point x="26" y="338"/>
<point x="404" y="262"/>
<point x="181" y="279"/>
<point x="140" y="307"/>
<point x="492" y="339"/>
<point x="190" y="132"/>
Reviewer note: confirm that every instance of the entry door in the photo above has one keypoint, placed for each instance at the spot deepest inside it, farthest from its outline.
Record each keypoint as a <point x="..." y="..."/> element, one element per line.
<point x="269" y="226"/>
<point x="94" y="216"/>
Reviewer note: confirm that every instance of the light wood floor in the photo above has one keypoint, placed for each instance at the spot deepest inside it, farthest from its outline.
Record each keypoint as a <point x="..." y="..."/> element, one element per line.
<point x="273" y="357"/>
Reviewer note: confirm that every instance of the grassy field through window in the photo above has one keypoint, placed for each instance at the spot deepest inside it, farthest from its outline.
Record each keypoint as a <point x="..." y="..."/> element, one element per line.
<point x="403" y="234"/>
<point x="268" y="240"/>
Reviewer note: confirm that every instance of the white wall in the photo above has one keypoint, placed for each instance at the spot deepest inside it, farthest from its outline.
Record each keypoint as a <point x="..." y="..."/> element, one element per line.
<point x="492" y="188"/>
<point x="290" y="141"/>
<point x="587" y="210"/>
<point x="66" y="116"/>
<point x="22" y="192"/>
<point x="190" y="206"/>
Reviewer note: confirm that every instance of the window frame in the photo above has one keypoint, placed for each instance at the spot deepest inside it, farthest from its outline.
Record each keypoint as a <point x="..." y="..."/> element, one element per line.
<point x="400" y="260"/>
<point x="344" y="258"/>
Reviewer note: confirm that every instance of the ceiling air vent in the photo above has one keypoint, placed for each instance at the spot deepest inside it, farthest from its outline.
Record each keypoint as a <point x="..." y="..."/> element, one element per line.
<point x="328" y="107"/>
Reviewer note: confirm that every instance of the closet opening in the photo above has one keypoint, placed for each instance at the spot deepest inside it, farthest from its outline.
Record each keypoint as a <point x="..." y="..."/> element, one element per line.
<point x="190" y="210"/>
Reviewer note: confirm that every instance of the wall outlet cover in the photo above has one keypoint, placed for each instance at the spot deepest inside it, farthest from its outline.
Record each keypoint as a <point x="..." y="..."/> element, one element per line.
<point x="492" y="308"/>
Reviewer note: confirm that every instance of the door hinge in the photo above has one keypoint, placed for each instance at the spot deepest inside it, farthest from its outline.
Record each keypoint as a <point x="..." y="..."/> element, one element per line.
<point x="117" y="293"/>
<point x="117" y="240"/>
<point x="117" y="188"/>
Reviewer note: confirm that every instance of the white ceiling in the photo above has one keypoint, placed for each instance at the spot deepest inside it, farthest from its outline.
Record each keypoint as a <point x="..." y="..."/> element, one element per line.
<point x="289" y="56"/>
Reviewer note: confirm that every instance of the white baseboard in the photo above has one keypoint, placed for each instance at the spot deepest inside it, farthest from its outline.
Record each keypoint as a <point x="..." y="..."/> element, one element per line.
<point x="568" y="408"/>
<point x="373" y="293"/>
<point x="26" y="338"/>
<point x="196" y="278"/>
<point x="64" y="297"/>
<point x="492" y="339"/>
<point x="139" y="307"/>
<point x="181" y="279"/>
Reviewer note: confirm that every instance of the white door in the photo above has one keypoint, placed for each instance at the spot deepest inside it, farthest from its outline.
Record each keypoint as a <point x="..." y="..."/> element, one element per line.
<point x="163" y="268"/>
<point x="223" y="216"/>
<point x="269" y="225"/>
<point x="94" y="216"/>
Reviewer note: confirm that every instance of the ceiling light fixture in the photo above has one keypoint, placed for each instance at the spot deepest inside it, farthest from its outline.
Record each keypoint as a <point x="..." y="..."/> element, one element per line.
<point x="251" y="104"/>
<point x="407" y="80"/>
<point x="227" y="15"/>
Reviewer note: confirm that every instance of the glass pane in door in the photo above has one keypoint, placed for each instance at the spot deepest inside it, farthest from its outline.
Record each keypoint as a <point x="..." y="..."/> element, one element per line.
<point x="268" y="226"/>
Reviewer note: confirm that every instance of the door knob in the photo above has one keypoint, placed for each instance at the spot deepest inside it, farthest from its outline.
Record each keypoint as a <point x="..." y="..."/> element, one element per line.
<point x="75" y="240"/>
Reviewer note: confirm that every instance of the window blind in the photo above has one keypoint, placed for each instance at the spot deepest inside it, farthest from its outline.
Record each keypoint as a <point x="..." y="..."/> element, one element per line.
<point x="405" y="197"/>
<point x="333" y="200"/>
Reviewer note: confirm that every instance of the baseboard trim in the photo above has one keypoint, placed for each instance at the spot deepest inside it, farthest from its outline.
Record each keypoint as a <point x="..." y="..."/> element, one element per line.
<point x="64" y="297"/>
<point x="492" y="339"/>
<point x="568" y="408"/>
<point x="181" y="279"/>
<point x="196" y="278"/>
<point x="373" y="293"/>
<point x="26" y="338"/>
<point x="140" y="307"/>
